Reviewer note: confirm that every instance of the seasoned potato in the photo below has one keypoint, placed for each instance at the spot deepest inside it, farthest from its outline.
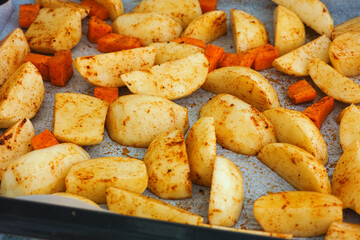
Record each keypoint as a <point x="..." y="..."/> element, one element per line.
<point x="91" y="178"/>
<point x="149" y="27"/>
<point x="352" y="25"/>
<point x="13" y="48"/>
<point x="79" y="118"/>
<point x="349" y="126"/>
<point x="84" y="10"/>
<point x="207" y="27"/>
<point x="343" y="231"/>
<point x="21" y="95"/>
<point x="244" y="83"/>
<point x="133" y="204"/>
<point x="135" y="120"/>
<point x="248" y="32"/>
<point x="201" y="150"/>
<point x="304" y="214"/>
<point x="296" y="62"/>
<point x="227" y="193"/>
<point x="77" y="197"/>
<point x="341" y="114"/>
<point x="105" y="70"/>
<point x="295" y="128"/>
<point x="168" y="166"/>
<point x="171" y="80"/>
<point x="239" y="126"/>
<point x="54" y="29"/>
<point x="114" y="7"/>
<point x="41" y="171"/>
<point x="334" y="83"/>
<point x="298" y="167"/>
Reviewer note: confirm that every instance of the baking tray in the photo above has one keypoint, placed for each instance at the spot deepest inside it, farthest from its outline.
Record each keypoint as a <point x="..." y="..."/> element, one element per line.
<point x="258" y="179"/>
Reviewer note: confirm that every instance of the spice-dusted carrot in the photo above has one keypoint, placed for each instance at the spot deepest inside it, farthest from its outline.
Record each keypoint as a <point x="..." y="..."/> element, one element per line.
<point x="97" y="29"/>
<point x="237" y="59"/>
<point x="192" y="41"/>
<point x="96" y="9"/>
<point x="108" y="94"/>
<point x="214" y="54"/>
<point x="208" y="5"/>
<point x="318" y="111"/>
<point x="113" y="42"/>
<point x="41" y="62"/>
<point x="27" y="14"/>
<point x="43" y="140"/>
<point x="301" y="92"/>
<point x="265" y="55"/>
<point x="61" y="68"/>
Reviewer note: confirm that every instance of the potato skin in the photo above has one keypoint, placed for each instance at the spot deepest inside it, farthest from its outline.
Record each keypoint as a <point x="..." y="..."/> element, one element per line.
<point x="349" y="126"/>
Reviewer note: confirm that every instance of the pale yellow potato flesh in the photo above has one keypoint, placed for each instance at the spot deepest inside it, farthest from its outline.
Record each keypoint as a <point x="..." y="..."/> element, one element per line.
<point x="352" y="25"/>
<point x="114" y="7"/>
<point x="77" y="197"/>
<point x="343" y="231"/>
<point x="349" y="126"/>
<point x="84" y="10"/>
<point x="341" y="114"/>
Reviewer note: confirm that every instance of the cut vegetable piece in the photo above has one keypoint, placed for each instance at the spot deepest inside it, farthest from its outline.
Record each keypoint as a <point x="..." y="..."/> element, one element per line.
<point x="301" y="92"/>
<point x="43" y="140"/>
<point x="208" y="5"/>
<point x="352" y="25"/>
<point x="97" y="29"/>
<point x="349" y="126"/>
<point x="264" y="56"/>
<point x="114" y="7"/>
<point x="77" y="197"/>
<point x="96" y="9"/>
<point x="319" y="111"/>
<point x="82" y="9"/>
<point x="41" y="62"/>
<point x="341" y="114"/>
<point x="114" y="42"/>
<point x="343" y="231"/>
<point x="27" y="14"/>
<point x="236" y="59"/>
<point x="192" y="41"/>
<point x="61" y="68"/>
<point x="214" y="54"/>
<point x="106" y="93"/>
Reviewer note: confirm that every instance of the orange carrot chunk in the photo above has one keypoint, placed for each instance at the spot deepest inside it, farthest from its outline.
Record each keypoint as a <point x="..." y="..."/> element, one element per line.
<point x="113" y="42"/>
<point x="208" y="5"/>
<point x="192" y="41"/>
<point x="265" y="55"/>
<point x="61" y="68"/>
<point x="43" y="140"/>
<point x="108" y="94"/>
<point x="97" y="29"/>
<point x="319" y="111"/>
<point x="237" y="59"/>
<point x="96" y="9"/>
<point x="301" y="92"/>
<point x="214" y="54"/>
<point x="41" y="62"/>
<point x="27" y="14"/>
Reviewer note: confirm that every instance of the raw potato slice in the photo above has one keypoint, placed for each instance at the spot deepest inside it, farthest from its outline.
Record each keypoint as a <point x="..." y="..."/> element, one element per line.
<point x="201" y="150"/>
<point x="248" y="32"/>
<point x="41" y="171"/>
<point x="312" y="12"/>
<point x="135" y="120"/>
<point x="239" y="126"/>
<point x="343" y="231"/>
<point x="296" y="62"/>
<point x="13" y="50"/>
<point x="114" y="7"/>
<point x="244" y="83"/>
<point x="349" y="126"/>
<point x="227" y="193"/>
<point x="346" y="177"/>
<point x="54" y="29"/>
<point x="208" y="27"/>
<point x="91" y="178"/>
<point x="295" y="128"/>
<point x="79" y="118"/>
<point x="77" y="197"/>
<point x="149" y="27"/>
<point x="289" y="30"/>
<point x="105" y="70"/>
<point x="352" y="25"/>
<point x="84" y="10"/>
<point x="21" y="95"/>
<point x="133" y="204"/>
<point x="171" y="80"/>
<point x="168" y="166"/>
<point x="304" y="214"/>
<point x="334" y="83"/>
<point x="298" y="167"/>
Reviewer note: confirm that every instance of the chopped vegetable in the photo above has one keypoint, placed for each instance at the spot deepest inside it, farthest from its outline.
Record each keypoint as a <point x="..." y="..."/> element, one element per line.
<point x="41" y="62"/>
<point x="113" y="42"/>
<point x="27" y="14"/>
<point x="43" y="140"/>
<point x="96" y="9"/>
<point x="237" y="59"/>
<point x="192" y="41"/>
<point x="214" y="54"/>
<point x="61" y="68"/>
<point x="208" y="5"/>
<point x="301" y="92"/>
<point x="97" y="29"/>
<point x="264" y="56"/>
<point x="319" y="111"/>
<point x="108" y="94"/>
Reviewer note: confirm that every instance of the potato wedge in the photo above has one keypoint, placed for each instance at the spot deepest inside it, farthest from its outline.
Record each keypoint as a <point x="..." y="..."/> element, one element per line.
<point x="41" y="171"/>
<point x="343" y="231"/>
<point x="226" y="194"/>
<point x="79" y="118"/>
<point x="168" y="166"/>
<point x="349" y="126"/>
<point x="298" y="167"/>
<point x="248" y="32"/>
<point x="114" y="7"/>
<point x="341" y="114"/>
<point x="149" y="27"/>
<point x="84" y="10"/>
<point x="21" y="95"/>
<point x="133" y="204"/>
<point x="91" y="178"/>
<point x="312" y="12"/>
<point x="77" y="197"/>
<point x="105" y="70"/>
<point x="352" y="25"/>
<point x="171" y="80"/>
<point x="295" y="128"/>
<point x="304" y="214"/>
<point x="238" y="126"/>
<point x="135" y="120"/>
<point x="334" y="83"/>
<point x="14" y="48"/>
<point x="244" y="83"/>
<point x="296" y="62"/>
<point x="207" y="27"/>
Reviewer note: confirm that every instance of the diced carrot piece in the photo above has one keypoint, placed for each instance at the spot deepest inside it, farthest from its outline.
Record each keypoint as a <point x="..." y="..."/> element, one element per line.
<point x="301" y="92"/>
<point x="43" y="140"/>
<point x="214" y="54"/>
<point x="208" y="5"/>
<point x="113" y="42"/>
<point x="41" y="62"/>
<point x="97" y="29"/>
<point x="96" y="9"/>
<point x="27" y="14"/>
<point x="265" y="55"/>
<point x="192" y="41"/>
<point x="61" y="68"/>
<point x="108" y="94"/>
<point x="319" y="111"/>
<point x="237" y="59"/>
